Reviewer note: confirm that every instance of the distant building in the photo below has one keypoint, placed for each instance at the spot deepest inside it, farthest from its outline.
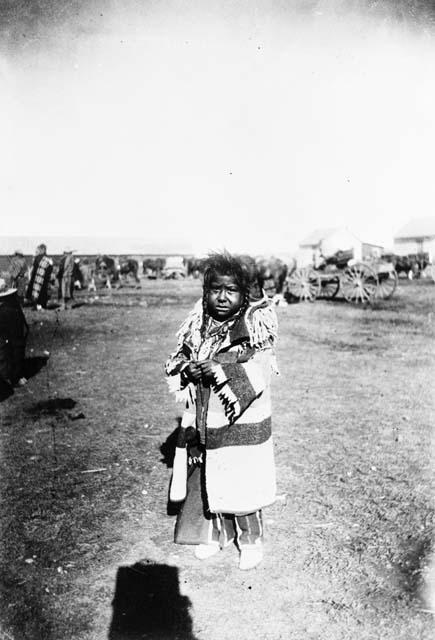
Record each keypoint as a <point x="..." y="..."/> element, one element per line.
<point x="326" y="242"/>
<point x="417" y="236"/>
<point x="94" y="245"/>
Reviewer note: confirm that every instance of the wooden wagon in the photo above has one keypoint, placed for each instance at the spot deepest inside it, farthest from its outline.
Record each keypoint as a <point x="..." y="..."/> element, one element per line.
<point x="355" y="281"/>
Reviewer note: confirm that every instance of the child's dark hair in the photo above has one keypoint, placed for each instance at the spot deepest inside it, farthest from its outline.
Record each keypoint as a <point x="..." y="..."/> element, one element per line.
<point x="225" y="264"/>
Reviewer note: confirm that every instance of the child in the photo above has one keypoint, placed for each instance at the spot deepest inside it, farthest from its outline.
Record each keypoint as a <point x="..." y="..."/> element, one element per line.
<point x="221" y="370"/>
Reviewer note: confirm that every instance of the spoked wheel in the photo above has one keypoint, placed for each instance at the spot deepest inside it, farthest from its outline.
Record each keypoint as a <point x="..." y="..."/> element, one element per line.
<point x="329" y="286"/>
<point x="359" y="283"/>
<point x="304" y="284"/>
<point x="387" y="283"/>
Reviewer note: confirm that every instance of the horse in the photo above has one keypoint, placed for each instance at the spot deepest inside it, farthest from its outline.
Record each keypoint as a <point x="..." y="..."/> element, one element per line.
<point x="153" y="267"/>
<point x="272" y="274"/>
<point x="128" y="266"/>
<point x="412" y="265"/>
<point x="106" y="269"/>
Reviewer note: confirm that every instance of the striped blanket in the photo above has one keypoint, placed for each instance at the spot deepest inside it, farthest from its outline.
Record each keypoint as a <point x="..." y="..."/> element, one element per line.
<point x="41" y="269"/>
<point x="18" y="275"/>
<point x="232" y="414"/>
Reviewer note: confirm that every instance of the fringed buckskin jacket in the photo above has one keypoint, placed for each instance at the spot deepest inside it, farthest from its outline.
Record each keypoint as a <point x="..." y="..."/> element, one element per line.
<point x="233" y="413"/>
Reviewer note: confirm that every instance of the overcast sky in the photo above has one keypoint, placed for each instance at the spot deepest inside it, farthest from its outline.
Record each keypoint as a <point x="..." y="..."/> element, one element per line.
<point x="243" y="125"/>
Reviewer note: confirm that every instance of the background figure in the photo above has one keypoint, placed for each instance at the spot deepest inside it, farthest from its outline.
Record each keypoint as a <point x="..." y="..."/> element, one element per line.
<point x="37" y="291"/>
<point x="13" y="337"/>
<point x="65" y="278"/>
<point x="18" y="274"/>
<point x="77" y="275"/>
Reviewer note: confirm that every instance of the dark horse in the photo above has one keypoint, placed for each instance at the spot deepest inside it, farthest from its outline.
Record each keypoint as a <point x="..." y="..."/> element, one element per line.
<point x="129" y="266"/>
<point x="412" y="265"/>
<point x="106" y="268"/>
<point x="272" y="274"/>
<point x="266" y="274"/>
<point x="153" y="267"/>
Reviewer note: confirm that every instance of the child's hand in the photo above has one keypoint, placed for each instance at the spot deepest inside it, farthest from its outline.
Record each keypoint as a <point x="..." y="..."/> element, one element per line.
<point x="193" y="372"/>
<point x="206" y="368"/>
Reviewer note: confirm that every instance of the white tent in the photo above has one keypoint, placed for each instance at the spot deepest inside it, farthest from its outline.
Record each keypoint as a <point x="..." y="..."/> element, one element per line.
<point x="327" y="242"/>
<point x="417" y="236"/>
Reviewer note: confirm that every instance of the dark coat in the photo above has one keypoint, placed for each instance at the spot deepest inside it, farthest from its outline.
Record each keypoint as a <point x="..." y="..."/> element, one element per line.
<point x="13" y="337"/>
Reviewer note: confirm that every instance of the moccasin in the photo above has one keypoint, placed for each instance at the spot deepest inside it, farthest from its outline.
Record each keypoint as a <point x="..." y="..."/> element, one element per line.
<point x="204" y="551"/>
<point x="250" y="557"/>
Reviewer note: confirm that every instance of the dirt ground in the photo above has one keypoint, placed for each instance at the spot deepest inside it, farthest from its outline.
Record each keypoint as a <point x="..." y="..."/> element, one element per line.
<point x="86" y="532"/>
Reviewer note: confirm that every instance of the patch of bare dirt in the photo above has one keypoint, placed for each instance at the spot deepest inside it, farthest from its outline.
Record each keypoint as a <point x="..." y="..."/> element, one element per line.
<point x="86" y="538"/>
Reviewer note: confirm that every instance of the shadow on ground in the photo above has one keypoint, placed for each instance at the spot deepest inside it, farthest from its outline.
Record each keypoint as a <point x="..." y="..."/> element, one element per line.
<point x="148" y="604"/>
<point x="411" y="564"/>
<point x="30" y="368"/>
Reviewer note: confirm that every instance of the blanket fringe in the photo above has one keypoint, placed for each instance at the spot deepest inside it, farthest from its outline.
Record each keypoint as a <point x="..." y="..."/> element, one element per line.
<point x="186" y="395"/>
<point x="260" y="317"/>
<point x="191" y="326"/>
<point x="262" y="323"/>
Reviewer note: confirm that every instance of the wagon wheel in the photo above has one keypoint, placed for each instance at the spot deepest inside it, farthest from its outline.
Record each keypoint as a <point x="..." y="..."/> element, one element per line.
<point x="329" y="286"/>
<point x="304" y="284"/>
<point x="387" y="283"/>
<point x="359" y="283"/>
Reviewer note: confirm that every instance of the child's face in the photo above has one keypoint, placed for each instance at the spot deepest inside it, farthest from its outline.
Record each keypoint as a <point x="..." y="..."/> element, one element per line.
<point x="224" y="297"/>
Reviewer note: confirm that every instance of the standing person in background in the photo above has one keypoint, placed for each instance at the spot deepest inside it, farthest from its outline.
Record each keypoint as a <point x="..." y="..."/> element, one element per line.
<point x="18" y="274"/>
<point x="42" y="267"/>
<point x="13" y="338"/>
<point x="77" y="275"/>
<point x="65" y="278"/>
<point x="222" y="369"/>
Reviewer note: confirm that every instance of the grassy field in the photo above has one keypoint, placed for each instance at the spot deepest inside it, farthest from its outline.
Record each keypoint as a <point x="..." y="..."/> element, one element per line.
<point x="86" y="535"/>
